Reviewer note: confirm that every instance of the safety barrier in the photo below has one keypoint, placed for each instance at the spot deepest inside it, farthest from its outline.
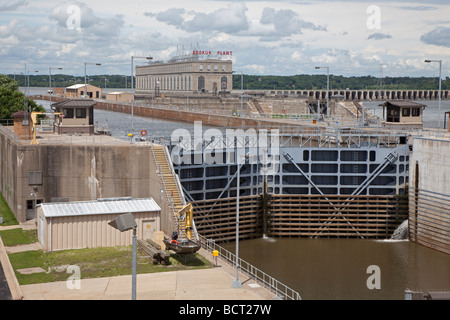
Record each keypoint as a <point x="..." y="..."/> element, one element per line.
<point x="262" y="278"/>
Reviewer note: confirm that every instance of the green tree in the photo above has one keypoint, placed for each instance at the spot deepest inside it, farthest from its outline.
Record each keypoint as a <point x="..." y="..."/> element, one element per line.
<point x="12" y="100"/>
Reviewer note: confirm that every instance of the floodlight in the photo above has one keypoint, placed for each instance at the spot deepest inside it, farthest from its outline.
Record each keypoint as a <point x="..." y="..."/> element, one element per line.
<point x="123" y="222"/>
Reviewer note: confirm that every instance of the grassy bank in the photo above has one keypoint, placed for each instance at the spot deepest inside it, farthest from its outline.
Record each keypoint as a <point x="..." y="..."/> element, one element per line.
<point x="93" y="263"/>
<point x="6" y="213"/>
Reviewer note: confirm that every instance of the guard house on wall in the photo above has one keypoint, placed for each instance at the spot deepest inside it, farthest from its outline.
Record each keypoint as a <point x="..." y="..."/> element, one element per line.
<point x="403" y="113"/>
<point x="74" y="116"/>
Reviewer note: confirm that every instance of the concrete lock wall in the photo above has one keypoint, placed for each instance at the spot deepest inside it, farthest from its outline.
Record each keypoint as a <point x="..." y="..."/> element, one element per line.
<point x="432" y="157"/>
<point x="429" y="194"/>
<point x="77" y="173"/>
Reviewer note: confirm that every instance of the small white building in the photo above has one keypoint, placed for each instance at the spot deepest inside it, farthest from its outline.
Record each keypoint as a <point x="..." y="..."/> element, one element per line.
<point x="119" y="96"/>
<point x="81" y="90"/>
<point x="77" y="225"/>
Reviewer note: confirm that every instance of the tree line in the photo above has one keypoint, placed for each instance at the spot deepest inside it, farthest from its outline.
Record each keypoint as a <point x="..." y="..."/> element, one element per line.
<point x="319" y="82"/>
<point x="255" y="82"/>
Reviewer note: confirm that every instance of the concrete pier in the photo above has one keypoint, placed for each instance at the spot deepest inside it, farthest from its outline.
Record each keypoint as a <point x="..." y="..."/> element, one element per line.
<point x="429" y="192"/>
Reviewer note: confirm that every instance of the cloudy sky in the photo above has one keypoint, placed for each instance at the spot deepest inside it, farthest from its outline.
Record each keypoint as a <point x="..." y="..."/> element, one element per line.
<point x="352" y="37"/>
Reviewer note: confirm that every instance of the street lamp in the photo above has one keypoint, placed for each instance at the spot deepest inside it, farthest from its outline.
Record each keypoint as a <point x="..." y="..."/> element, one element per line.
<point x="28" y="79"/>
<point x="126" y="81"/>
<point x="328" y="86"/>
<point x="236" y="283"/>
<point x="242" y="91"/>
<point x="132" y="91"/>
<point x="123" y="223"/>
<point x="17" y="73"/>
<point x="50" y="81"/>
<point x="85" y="82"/>
<point x="440" y="78"/>
<point x="34" y="194"/>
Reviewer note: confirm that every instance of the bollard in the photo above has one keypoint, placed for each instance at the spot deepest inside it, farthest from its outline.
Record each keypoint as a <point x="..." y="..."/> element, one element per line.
<point x="215" y="254"/>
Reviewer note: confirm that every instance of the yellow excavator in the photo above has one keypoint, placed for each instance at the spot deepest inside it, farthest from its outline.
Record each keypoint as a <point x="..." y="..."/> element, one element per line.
<point x="186" y="214"/>
<point x="34" y="120"/>
<point x="184" y="245"/>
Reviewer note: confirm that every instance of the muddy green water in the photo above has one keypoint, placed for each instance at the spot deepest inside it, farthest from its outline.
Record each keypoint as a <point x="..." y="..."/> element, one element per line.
<point x="337" y="268"/>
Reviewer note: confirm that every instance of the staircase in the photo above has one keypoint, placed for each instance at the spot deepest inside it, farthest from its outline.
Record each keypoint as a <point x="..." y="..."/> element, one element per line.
<point x="171" y="186"/>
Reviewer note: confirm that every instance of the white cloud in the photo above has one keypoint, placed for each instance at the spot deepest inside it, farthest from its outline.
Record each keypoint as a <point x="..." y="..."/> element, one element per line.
<point x="439" y="37"/>
<point x="266" y="37"/>
<point x="231" y="19"/>
<point x="256" y="68"/>
<point x="12" y="6"/>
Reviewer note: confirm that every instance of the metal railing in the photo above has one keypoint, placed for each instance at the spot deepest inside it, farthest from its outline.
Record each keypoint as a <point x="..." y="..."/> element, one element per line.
<point x="260" y="277"/>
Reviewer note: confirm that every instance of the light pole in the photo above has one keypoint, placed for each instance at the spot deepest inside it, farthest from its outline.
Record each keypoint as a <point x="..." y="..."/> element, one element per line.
<point x="126" y="81"/>
<point x="236" y="282"/>
<point x="242" y="91"/>
<point x="328" y="87"/>
<point x="33" y="193"/>
<point x="85" y="82"/>
<point x="132" y="91"/>
<point x="28" y="79"/>
<point x="50" y="82"/>
<point x="17" y="73"/>
<point x="440" y="78"/>
<point x="123" y="223"/>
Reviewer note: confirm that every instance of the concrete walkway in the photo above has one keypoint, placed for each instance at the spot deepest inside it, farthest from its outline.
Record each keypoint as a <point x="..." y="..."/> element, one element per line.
<point x="204" y="284"/>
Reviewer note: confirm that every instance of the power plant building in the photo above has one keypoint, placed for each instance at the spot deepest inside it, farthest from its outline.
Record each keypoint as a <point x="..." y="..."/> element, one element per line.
<point x="188" y="74"/>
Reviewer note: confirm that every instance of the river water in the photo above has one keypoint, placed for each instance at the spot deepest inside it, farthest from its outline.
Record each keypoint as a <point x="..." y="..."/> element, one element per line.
<point x="323" y="268"/>
<point x="329" y="269"/>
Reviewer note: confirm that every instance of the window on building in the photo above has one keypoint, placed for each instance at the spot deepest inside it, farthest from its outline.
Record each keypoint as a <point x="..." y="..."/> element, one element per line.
<point x="30" y="203"/>
<point x="201" y="67"/>
<point x="91" y="116"/>
<point x="201" y="83"/>
<point x="406" y="112"/>
<point x="209" y="67"/>
<point x="68" y="113"/>
<point x="81" y="113"/>
<point x="223" y="82"/>
<point x="416" y="112"/>
<point x="223" y="68"/>
<point x="216" y="68"/>
<point x="34" y="178"/>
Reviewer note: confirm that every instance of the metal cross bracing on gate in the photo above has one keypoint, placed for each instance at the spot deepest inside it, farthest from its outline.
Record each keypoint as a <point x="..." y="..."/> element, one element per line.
<point x="390" y="159"/>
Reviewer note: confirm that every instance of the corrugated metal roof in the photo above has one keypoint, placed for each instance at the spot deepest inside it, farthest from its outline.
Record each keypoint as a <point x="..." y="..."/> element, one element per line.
<point x="402" y="103"/>
<point x="66" y="209"/>
<point x="75" y="103"/>
<point x="80" y="85"/>
<point x="76" y="86"/>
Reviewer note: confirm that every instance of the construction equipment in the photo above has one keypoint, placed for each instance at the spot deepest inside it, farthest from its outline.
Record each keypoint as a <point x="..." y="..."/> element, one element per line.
<point x="183" y="245"/>
<point x="186" y="215"/>
<point x="34" y="120"/>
